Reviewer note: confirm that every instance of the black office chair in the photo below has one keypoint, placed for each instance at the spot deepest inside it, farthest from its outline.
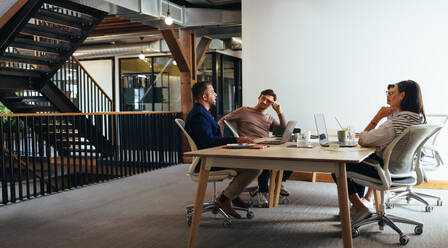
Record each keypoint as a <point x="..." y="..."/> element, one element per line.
<point x="399" y="171"/>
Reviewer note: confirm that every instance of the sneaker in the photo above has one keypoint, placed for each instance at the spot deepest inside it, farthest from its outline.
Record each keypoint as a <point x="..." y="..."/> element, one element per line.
<point x="283" y="190"/>
<point x="362" y="214"/>
<point x="369" y="204"/>
<point x="260" y="200"/>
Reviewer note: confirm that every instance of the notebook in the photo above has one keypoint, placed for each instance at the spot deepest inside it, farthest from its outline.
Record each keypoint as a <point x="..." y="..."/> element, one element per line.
<point x="322" y="133"/>
<point x="285" y="137"/>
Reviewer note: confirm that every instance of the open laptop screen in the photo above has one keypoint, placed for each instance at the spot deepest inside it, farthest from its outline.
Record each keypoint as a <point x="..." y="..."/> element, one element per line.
<point x="288" y="131"/>
<point x="321" y="127"/>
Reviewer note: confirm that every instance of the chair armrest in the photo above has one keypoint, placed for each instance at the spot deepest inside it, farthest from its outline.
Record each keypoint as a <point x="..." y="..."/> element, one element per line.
<point x="381" y="173"/>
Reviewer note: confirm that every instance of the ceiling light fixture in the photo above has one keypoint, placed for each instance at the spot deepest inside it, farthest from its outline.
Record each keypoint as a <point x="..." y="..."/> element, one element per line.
<point x="168" y="19"/>
<point x="141" y="55"/>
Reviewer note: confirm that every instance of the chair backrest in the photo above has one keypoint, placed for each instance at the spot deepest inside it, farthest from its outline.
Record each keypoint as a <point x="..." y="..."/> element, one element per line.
<point x="399" y="155"/>
<point x="233" y="127"/>
<point x="193" y="146"/>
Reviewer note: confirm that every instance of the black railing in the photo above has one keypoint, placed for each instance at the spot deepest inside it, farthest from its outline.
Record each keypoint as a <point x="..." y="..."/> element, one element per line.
<point x="81" y="88"/>
<point x="43" y="154"/>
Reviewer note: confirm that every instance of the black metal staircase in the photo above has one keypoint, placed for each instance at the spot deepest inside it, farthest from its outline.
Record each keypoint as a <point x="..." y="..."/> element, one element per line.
<point x="38" y="73"/>
<point x="35" y="44"/>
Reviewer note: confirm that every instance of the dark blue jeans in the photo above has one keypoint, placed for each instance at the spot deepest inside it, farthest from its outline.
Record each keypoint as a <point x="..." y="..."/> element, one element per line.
<point x="361" y="168"/>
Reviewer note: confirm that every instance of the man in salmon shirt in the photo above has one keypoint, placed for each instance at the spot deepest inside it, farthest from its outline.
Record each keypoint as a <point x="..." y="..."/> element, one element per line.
<point x="254" y="122"/>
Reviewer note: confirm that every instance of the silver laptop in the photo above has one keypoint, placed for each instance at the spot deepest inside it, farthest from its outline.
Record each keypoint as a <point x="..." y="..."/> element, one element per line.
<point x="285" y="137"/>
<point x="321" y="127"/>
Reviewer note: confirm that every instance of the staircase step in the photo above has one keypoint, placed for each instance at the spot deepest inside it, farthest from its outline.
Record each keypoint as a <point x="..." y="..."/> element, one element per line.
<point x="20" y="72"/>
<point x="61" y="125"/>
<point x="73" y="6"/>
<point x="87" y="145"/>
<point x="8" y="92"/>
<point x="70" y="131"/>
<point x="50" y="32"/>
<point x="40" y="60"/>
<point x="71" y="140"/>
<point x="58" y="18"/>
<point x="26" y="99"/>
<point x="26" y="108"/>
<point x="39" y="45"/>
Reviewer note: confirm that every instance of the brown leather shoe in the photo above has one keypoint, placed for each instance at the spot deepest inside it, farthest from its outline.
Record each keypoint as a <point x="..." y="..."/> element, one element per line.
<point x="227" y="207"/>
<point x="240" y="203"/>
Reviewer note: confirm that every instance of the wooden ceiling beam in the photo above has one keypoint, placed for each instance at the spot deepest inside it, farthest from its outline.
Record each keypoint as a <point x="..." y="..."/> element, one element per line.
<point x="201" y="50"/>
<point x="177" y="50"/>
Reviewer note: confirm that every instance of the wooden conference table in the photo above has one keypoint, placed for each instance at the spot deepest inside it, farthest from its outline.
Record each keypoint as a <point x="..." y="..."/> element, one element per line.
<point x="279" y="157"/>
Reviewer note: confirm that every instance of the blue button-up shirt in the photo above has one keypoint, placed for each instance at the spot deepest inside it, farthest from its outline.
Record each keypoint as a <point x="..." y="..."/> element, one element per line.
<point x="203" y="129"/>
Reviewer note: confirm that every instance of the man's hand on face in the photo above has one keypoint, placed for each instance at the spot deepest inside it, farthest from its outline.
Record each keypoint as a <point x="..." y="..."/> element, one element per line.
<point x="245" y="140"/>
<point x="276" y="107"/>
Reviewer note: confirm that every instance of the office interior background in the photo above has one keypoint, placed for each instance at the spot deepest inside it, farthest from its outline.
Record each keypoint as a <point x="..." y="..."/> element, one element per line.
<point x="322" y="56"/>
<point x="334" y="57"/>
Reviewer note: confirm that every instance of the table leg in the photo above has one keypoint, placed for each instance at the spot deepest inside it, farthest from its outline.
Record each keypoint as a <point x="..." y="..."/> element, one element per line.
<point x="343" y="207"/>
<point x="272" y="181"/>
<point x="198" y="203"/>
<point x="278" y="186"/>
<point x="377" y="197"/>
<point x="314" y="177"/>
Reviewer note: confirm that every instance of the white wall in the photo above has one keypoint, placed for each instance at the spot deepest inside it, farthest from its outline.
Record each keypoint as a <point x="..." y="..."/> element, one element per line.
<point x="101" y="71"/>
<point x="315" y="53"/>
<point x="6" y="5"/>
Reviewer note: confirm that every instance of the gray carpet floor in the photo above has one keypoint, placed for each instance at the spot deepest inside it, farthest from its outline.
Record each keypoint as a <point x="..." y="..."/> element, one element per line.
<point x="147" y="210"/>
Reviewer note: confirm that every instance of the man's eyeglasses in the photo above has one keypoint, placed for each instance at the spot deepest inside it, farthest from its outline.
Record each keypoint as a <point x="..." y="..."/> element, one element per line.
<point x="389" y="93"/>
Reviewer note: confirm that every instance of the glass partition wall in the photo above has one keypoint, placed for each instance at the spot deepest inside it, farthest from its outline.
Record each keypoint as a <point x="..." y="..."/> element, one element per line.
<point x="224" y="72"/>
<point x="150" y="84"/>
<point x="153" y="84"/>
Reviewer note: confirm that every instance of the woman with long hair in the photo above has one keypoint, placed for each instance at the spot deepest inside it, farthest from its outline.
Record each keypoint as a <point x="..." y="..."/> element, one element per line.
<point x="406" y="98"/>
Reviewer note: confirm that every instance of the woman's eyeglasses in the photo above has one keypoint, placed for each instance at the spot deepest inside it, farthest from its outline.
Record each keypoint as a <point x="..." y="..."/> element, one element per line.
<point x="389" y="93"/>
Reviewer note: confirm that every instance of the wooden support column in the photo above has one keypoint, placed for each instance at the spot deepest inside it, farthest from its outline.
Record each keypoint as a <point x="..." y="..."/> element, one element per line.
<point x="188" y="59"/>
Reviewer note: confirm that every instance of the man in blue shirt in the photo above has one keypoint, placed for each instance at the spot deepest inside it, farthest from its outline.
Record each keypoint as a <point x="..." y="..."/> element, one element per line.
<point x="205" y="132"/>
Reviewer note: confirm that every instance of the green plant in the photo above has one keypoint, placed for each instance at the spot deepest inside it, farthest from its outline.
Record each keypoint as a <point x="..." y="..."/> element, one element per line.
<point x="13" y="120"/>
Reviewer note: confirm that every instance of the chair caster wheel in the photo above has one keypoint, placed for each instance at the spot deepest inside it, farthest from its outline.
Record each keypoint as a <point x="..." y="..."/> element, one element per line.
<point x="404" y="240"/>
<point x="418" y="230"/>
<point x="439" y="202"/>
<point x="381" y="224"/>
<point x="283" y="200"/>
<point x="227" y="223"/>
<point x="428" y="208"/>
<point x="250" y="214"/>
<point x="389" y="205"/>
<point x="355" y="232"/>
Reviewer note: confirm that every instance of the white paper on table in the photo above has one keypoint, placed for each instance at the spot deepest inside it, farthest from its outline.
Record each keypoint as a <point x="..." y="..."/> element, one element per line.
<point x="348" y="149"/>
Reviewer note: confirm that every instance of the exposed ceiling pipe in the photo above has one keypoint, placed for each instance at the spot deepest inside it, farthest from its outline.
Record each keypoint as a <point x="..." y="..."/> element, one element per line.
<point x="215" y="23"/>
<point x="118" y="50"/>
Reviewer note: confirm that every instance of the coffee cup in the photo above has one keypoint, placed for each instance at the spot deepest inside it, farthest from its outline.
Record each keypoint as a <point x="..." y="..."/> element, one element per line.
<point x="343" y="135"/>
